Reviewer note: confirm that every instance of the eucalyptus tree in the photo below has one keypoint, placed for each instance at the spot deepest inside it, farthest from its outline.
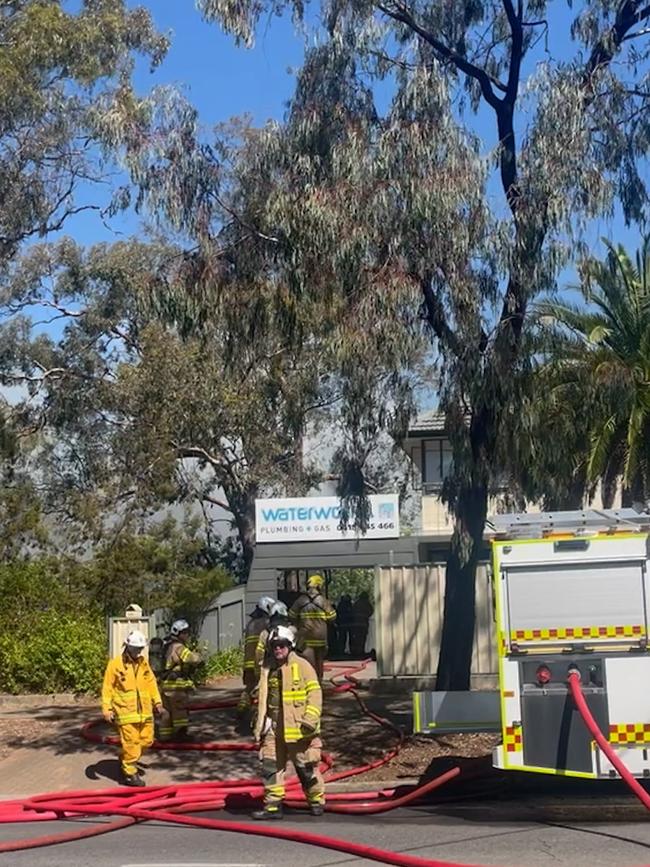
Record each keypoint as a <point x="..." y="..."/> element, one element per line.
<point x="63" y="73"/>
<point x="142" y="401"/>
<point x="465" y="195"/>
<point x="64" y="70"/>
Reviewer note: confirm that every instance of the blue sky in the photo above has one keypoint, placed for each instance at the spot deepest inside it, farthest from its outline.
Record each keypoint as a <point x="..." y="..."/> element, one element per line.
<point x="219" y="78"/>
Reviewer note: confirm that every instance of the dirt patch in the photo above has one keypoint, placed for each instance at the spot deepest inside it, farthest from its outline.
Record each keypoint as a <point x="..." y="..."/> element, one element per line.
<point x="19" y="729"/>
<point x="352" y="738"/>
<point x="419" y="755"/>
<point x="355" y="739"/>
<point x="48" y="726"/>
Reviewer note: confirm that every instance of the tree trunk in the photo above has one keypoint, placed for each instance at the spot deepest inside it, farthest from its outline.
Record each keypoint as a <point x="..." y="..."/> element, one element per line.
<point x="242" y="507"/>
<point x="633" y="496"/>
<point x="246" y="530"/>
<point x="457" y="642"/>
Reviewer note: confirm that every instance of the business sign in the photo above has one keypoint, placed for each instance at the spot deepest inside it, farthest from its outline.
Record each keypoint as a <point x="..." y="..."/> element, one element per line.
<point x="308" y="519"/>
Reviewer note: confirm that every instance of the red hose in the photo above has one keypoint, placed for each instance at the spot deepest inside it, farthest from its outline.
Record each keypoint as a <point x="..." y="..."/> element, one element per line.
<point x="69" y="837"/>
<point x="391" y="803"/>
<point x="359" y="850"/>
<point x="601" y="740"/>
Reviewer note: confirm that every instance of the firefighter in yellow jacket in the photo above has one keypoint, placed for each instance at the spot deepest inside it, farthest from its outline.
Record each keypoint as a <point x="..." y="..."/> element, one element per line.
<point x="311" y="612"/>
<point x="289" y="709"/>
<point x="177" y="683"/>
<point x="257" y="624"/>
<point x="279" y="616"/>
<point x="130" y="697"/>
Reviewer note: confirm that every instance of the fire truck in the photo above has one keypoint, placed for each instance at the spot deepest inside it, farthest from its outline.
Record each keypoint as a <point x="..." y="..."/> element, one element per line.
<point x="570" y="596"/>
<point x="571" y="593"/>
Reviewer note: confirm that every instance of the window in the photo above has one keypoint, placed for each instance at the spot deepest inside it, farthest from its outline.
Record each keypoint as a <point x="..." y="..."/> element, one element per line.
<point x="435" y="460"/>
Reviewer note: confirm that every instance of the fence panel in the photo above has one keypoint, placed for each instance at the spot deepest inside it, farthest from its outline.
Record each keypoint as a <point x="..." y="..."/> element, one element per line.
<point x="409" y="604"/>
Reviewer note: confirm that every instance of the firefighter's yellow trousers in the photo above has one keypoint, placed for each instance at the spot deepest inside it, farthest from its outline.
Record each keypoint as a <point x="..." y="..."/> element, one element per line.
<point x="316" y="656"/>
<point x="251" y="678"/>
<point x="134" y="739"/>
<point x="305" y="756"/>
<point x="175" y="715"/>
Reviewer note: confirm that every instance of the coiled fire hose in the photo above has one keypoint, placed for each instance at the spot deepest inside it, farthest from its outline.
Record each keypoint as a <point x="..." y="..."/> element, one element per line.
<point x="167" y="803"/>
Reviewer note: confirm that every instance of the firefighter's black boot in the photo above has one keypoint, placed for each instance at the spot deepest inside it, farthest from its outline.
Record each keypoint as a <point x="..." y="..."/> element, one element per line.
<point x="316" y="809"/>
<point x="132" y="780"/>
<point x="184" y="736"/>
<point x="269" y="812"/>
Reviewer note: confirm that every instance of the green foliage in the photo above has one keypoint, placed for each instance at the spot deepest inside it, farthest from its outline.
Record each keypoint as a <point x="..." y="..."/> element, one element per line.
<point x="51" y="640"/>
<point x="49" y="652"/>
<point x="178" y="404"/>
<point x="53" y="617"/>
<point x="351" y="581"/>
<point x="62" y="74"/>
<point x="190" y="596"/>
<point x="47" y="584"/>
<point x="224" y="663"/>
<point x="163" y="566"/>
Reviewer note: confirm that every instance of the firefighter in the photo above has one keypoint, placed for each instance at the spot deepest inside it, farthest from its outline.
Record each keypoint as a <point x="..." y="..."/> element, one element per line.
<point x="311" y="612"/>
<point x="362" y="611"/>
<point x="177" y="683"/>
<point x="279" y="616"/>
<point x="258" y="623"/>
<point x="288" y="725"/>
<point x="130" y="697"/>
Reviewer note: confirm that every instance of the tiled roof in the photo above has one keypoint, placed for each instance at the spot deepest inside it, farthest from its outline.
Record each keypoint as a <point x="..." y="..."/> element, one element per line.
<point x="428" y="422"/>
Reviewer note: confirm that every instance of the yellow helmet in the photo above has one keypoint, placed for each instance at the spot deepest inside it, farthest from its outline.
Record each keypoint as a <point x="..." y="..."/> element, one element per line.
<point x="315" y="581"/>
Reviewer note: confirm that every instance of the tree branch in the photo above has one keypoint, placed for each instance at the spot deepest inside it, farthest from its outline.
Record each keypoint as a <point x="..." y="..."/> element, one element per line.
<point x="222" y="504"/>
<point x="516" y="49"/>
<point x="436" y="316"/>
<point x="485" y="80"/>
<point x="627" y="17"/>
<point x="198" y="452"/>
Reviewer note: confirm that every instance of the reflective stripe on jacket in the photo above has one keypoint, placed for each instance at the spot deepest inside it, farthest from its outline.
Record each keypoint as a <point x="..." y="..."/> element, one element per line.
<point x="179" y="661"/>
<point x="302" y="699"/>
<point x="129" y="690"/>
<point x="254" y="628"/>
<point x="311" y="614"/>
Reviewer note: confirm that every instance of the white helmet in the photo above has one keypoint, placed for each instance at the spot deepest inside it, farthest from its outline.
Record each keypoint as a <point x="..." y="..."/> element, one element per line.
<point x="279" y="608"/>
<point x="283" y="633"/>
<point x="135" y="638"/>
<point x="179" y="626"/>
<point x="266" y="603"/>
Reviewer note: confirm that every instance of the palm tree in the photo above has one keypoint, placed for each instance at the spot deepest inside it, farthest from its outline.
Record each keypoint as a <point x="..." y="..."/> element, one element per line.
<point x="598" y="357"/>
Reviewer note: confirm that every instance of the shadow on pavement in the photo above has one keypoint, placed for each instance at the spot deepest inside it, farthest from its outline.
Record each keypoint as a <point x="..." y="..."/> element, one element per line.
<point x="105" y="769"/>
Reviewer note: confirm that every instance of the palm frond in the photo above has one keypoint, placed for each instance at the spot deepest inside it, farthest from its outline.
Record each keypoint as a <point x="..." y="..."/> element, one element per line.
<point x="601" y="440"/>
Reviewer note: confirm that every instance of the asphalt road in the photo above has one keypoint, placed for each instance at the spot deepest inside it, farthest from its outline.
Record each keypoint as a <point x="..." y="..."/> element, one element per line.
<point x="469" y="834"/>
